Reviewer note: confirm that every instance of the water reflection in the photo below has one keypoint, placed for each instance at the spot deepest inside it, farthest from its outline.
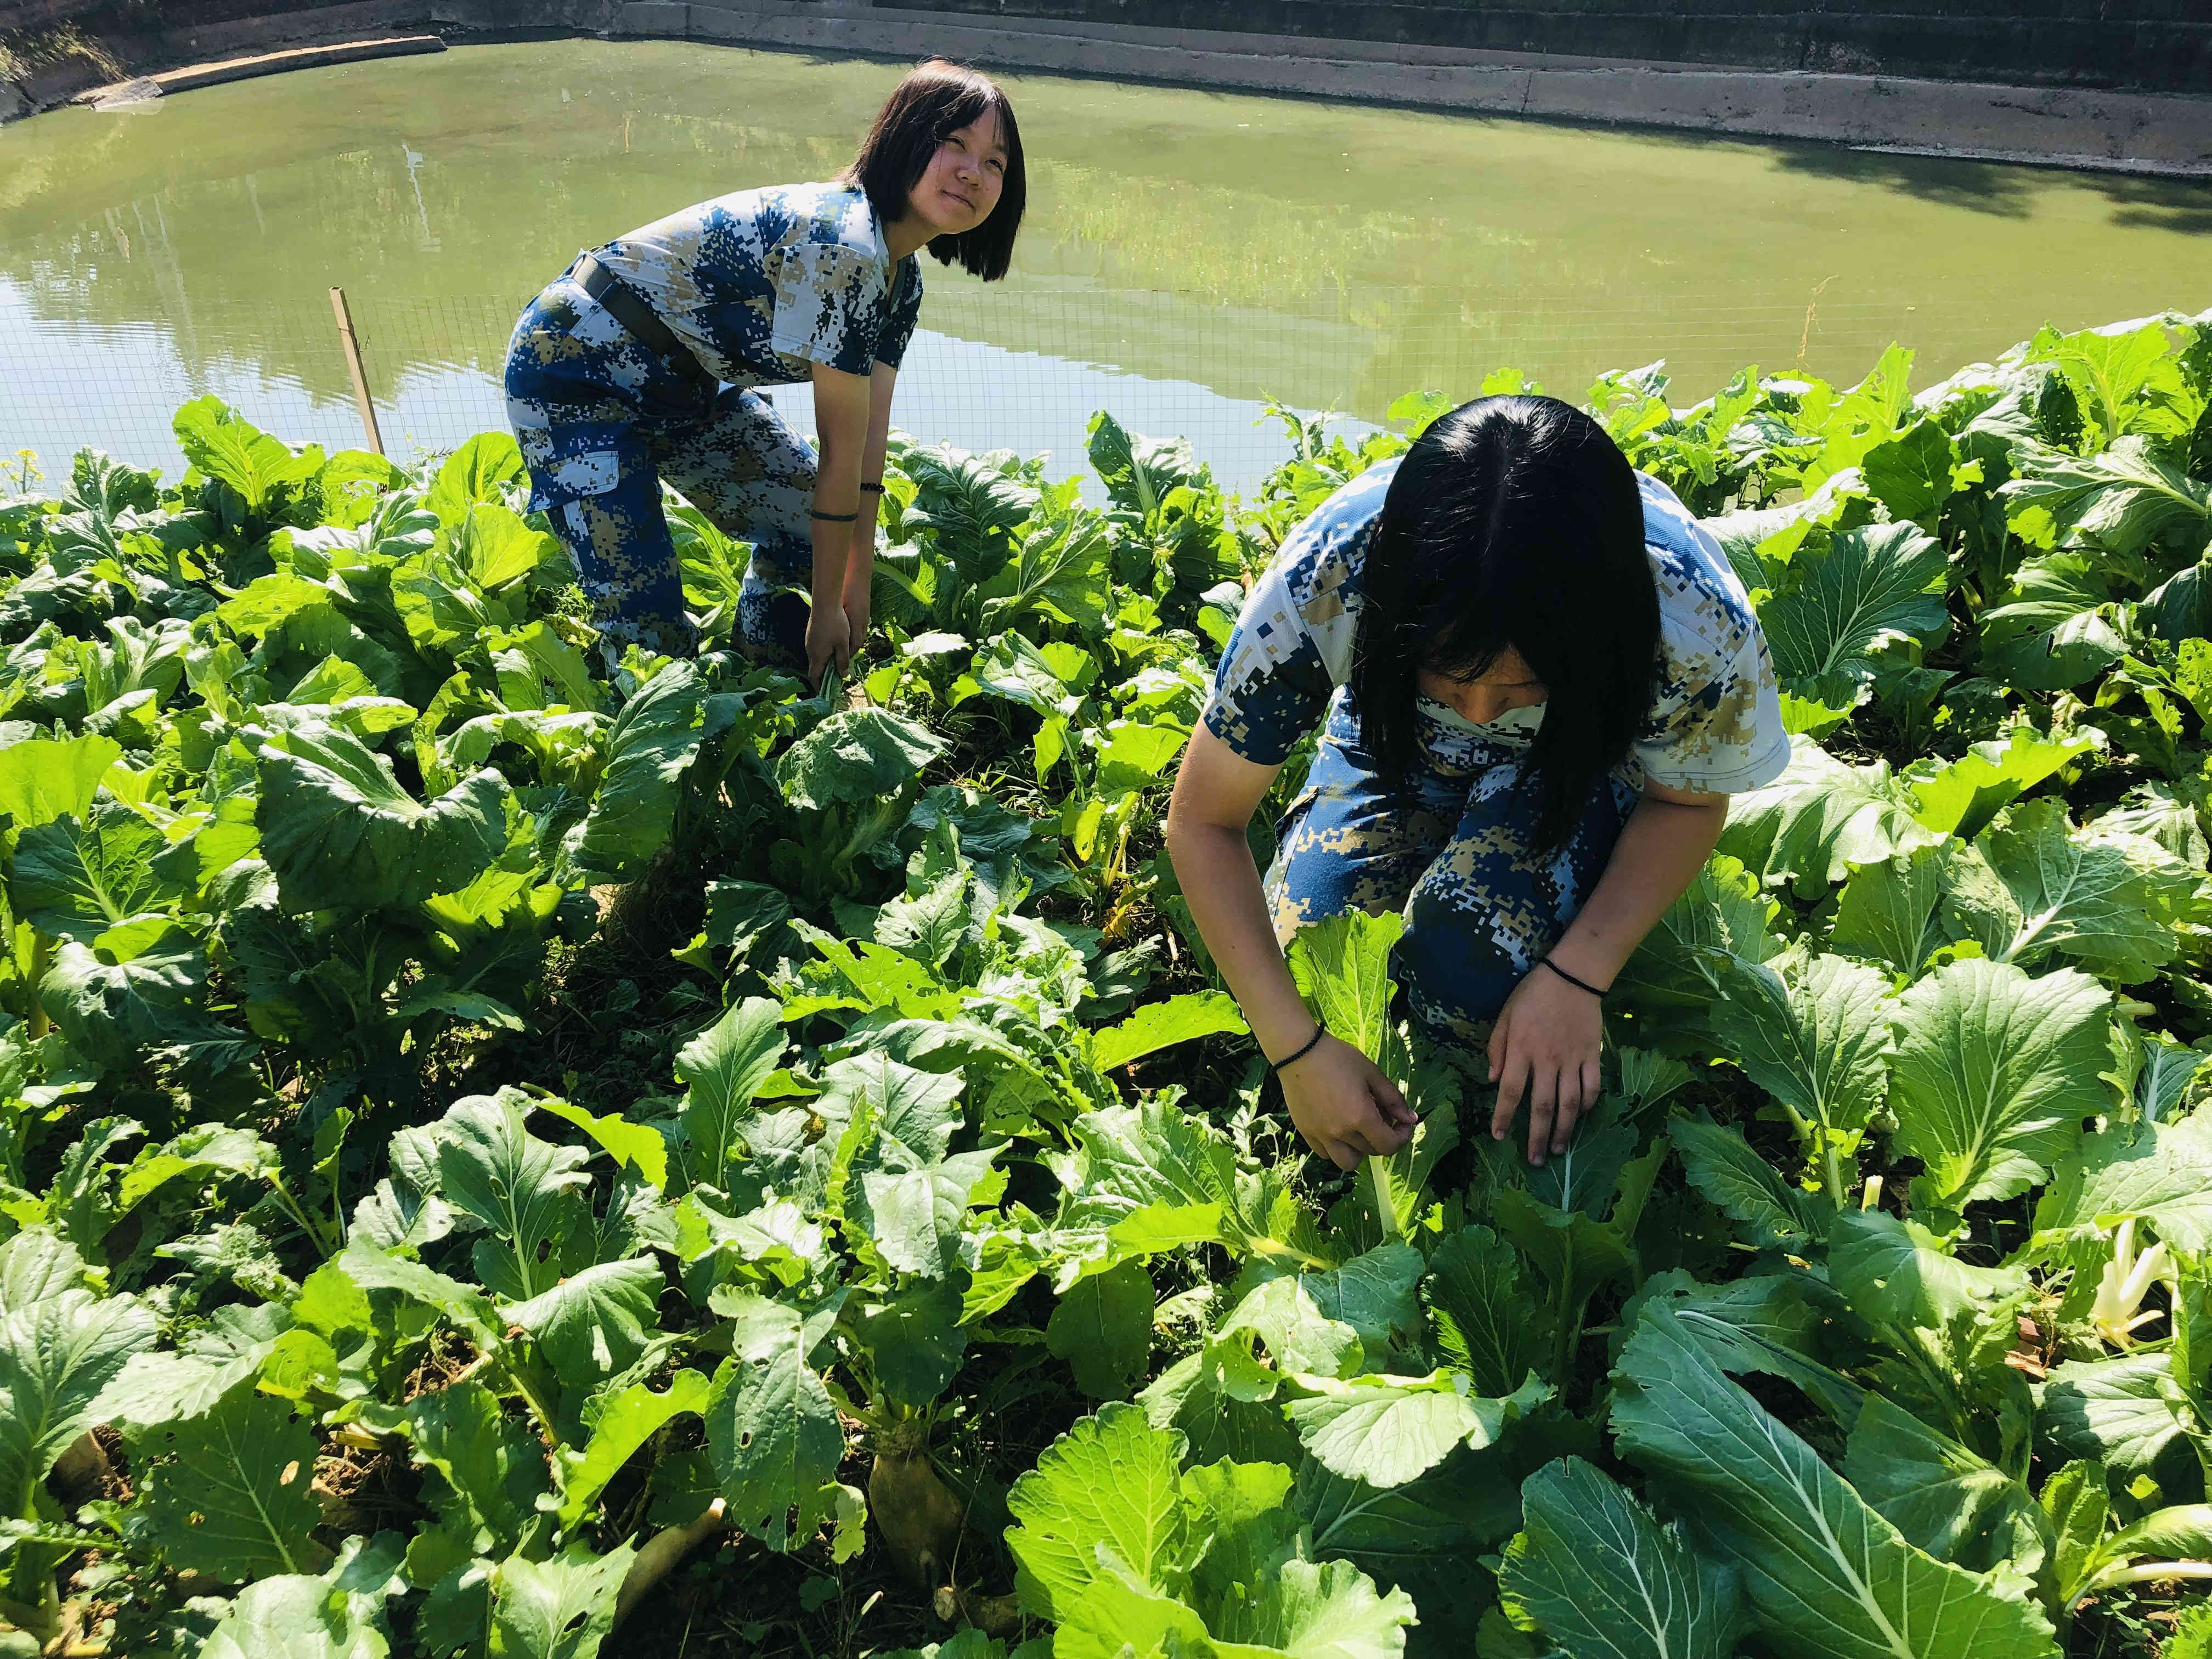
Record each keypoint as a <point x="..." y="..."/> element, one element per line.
<point x="1215" y="251"/>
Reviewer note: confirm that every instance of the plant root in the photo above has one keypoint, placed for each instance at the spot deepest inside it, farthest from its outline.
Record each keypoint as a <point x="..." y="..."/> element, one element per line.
<point x="662" y="1553"/>
<point x="917" y="1514"/>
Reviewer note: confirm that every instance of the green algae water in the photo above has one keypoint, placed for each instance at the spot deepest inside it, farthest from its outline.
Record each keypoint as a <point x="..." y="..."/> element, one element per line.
<point x="1189" y="257"/>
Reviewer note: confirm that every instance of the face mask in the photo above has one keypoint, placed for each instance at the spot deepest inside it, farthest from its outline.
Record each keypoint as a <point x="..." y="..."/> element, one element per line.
<point x="1514" y="722"/>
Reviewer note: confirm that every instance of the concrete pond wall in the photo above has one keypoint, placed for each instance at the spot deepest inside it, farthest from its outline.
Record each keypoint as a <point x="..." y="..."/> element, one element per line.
<point x="2116" y="84"/>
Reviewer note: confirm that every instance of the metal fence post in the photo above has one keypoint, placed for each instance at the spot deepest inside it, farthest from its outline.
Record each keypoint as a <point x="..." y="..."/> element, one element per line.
<point x="352" y="364"/>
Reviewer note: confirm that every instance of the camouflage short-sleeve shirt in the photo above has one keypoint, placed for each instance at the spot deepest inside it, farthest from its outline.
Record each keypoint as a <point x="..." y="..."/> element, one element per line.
<point x="762" y="284"/>
<point x="1715" y="724"/>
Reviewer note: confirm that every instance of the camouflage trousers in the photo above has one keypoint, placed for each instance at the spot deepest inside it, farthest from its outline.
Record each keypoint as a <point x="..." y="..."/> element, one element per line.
<point x="1481" y="902"/>
<point x="602" y="422"/>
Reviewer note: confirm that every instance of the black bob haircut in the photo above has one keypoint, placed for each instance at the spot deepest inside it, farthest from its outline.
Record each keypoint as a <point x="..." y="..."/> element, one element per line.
<point x="937" y="98"/>
<point x="1513" y="522"/>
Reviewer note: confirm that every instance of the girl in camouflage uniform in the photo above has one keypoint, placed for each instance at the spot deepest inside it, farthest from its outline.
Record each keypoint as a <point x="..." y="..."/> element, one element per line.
<point x="1541" y="682"/>
<point x="641" y="363"/>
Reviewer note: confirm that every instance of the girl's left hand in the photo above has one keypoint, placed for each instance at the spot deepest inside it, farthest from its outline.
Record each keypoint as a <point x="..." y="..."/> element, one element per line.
<point x="1545" y="1047"/>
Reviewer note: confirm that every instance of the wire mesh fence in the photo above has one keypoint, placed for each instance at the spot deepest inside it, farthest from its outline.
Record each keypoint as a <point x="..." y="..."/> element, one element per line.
<point x="1021" y="365"/>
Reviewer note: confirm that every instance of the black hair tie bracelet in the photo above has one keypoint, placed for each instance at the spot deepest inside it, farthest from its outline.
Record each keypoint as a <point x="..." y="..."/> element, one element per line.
<point x="1579" y="984"/>
<point x="1275" y="1066"/>
<point x="834" y="518"/>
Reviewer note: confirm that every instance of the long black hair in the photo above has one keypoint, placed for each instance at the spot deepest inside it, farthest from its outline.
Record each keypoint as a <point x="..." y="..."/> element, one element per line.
<point x="1513" y="522"/>
<point x="937" y="98"/>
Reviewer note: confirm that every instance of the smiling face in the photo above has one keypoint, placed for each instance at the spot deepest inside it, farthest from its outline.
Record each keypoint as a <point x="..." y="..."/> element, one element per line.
<point x="1506" y="684"/>
<point x="961" y="185"/>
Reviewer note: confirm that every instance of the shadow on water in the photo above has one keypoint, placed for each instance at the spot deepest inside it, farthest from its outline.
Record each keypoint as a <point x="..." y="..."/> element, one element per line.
<point x="1975" y="186"/>
<point x="2179" y="206"/>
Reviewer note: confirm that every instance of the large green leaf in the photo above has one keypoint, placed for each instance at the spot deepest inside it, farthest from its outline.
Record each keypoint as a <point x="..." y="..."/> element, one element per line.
<point x="1723" y="912"/>
<point x="596" y="1323"/>
<point x="1820" y="818"/>
<point x="1942" y="1497"/>
<point x="341" y="833"/>
<point x="725" y="1065"/>
<point x="2127" y="1413"/>
<point x="916" y="1341"/>
<point x="2160" y="1173"/>
<point x="492" y="1465"/>
<point x="1387" y="1431"/>
<point x="221" y="443"/>
<point x="490" y="1167"/>
<point x="1744" y="1187"/>
<point x="916" y="1111"/>
<point x="2029" y="885"/>
<point x="36" y="1264"/>
<point x="653" y="743"/>
<point x="1060" y="571"/>
<point x="206" y="1365"/>
<point x="1824" y="1575"/>
<point x="856" y="755"/>
<point x="624" y="1421"/>
<point x="1871" y="589"/>
<point x="1886" y="912"/>
<point x="1315" y="1610"/>
<point x="480" y="469"/>
<point x="2123" y="498"/>
<point x="57" y="1352"/>
<point x="913" y="1215"/>
<point x="1160" y="1025"/>
<point x="1994" y="1072"/>
<point x="1911" y="473"/>
<point x="1103" y="1327"/>
<point x="76" y="879"/>
<point x="231" y="1499"/>
<point x="1486" y="1323"/>
<point x="1813" y="1032"/>
<point x="1138" y="471"/>
<point x="1393" y="1532"/>
<point x="1592" y="1570"/>
<point x="1340" y="1319"/>
<point x="561" y="1608"/>
<point x="1894" y="1273"/>
<point x="1961" y="796"/>
<point x="772" y="1431"/>
<point x="1137" y="1158"/>
<point x="42" y="779"/>
<point x="1109" y="1484"/>
<point x="2052" y="629"/>
<point x="1342" y="967"/>
<point x="293" y="1616"/>
<point x="117" y="1013"/>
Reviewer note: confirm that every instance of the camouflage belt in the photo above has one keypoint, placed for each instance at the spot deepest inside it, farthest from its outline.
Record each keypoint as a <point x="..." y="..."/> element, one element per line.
<point x="625" y="305"/>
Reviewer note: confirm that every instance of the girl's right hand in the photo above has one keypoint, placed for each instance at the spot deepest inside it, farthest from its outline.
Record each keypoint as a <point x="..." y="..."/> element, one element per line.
<point x="1344" y="1106"/>
<point x="828" y="641"/>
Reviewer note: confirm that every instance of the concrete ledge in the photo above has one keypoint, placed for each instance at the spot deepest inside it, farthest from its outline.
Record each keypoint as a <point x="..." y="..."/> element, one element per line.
<point x="2057" y="126"/>
<point x="2053" y="126"/>
<point x="195" y="75"/>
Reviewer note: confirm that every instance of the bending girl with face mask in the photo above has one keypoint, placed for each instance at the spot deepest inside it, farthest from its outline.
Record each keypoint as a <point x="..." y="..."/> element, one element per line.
<point x="1541" y="683"/>
<point x="641" y="363"/>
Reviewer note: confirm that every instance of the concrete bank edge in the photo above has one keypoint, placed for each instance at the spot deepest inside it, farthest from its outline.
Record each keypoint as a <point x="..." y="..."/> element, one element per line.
<point x="2138" y="133"/>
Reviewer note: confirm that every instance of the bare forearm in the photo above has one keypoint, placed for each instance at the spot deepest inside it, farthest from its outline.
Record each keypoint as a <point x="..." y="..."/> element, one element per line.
<point x="860" y="560"/>
<point x="1661" y="849"/>
<point x="1221" y="884"/>
<point x="836" y="494"/>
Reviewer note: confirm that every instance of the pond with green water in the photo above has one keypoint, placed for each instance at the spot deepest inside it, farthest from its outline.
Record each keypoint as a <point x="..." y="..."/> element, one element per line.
<point x="1188" y="255"/>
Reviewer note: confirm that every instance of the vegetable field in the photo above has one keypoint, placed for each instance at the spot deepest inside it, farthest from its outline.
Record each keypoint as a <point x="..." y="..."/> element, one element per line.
<point x="501" y="1140"/>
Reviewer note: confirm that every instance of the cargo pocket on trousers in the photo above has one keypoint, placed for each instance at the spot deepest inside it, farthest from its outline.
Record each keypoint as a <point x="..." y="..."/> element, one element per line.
<point x="594" y="473"/>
